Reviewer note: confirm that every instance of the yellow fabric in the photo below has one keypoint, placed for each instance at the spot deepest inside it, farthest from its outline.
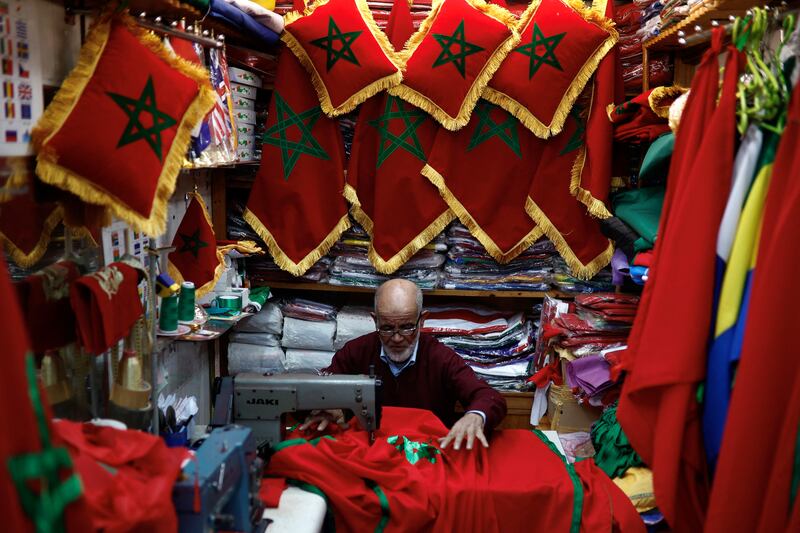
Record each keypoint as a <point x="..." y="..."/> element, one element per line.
<point x="637" y="484"/>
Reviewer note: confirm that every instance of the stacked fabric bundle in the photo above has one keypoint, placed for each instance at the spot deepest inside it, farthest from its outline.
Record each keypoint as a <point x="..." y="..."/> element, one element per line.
<point x="255" y="342"/>
<point x="562" y="280"/>
<point x="674" y="11"/>
<point x="469" y="266"/>
<point x="250" y="18"/>
<point x="636" y="22"/>
<point x="497" y="345"/>
<point x="309" y="329"/>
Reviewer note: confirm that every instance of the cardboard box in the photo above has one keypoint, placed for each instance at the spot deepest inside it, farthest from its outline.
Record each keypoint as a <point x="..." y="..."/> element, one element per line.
<point x="566" y="414"/>
<point x="237" y="89"/>
<point x="246" y="141"/>
<point x="244" y="77"/>
<point x="240" y="102"/>
<point x="246" y="154"/>
<point x="244" y="116"/>
<point x="245" y="129"/>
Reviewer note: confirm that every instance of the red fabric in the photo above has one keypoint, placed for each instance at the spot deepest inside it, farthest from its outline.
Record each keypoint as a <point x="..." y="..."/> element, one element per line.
<point x="390" y="147"/>
<point x="636" y="122"/>
<point x="195" y="255"/>
<point x="342" y="79"/>
<point x="45" y="305"/>
<point x="754" y="470"/>
<point x="437" y="380"/>
<point x="299" y="214"/>
<point x="271" y="490"/>
<point x="106" y="305"/>
<point x="485" y="179"/>
<point x="516" y="484"/>
<point x="87" y="142"/>
<point x="127" y="476"/>
<point x="26" y="224"/>
<point x="543" y="92"/>
<point x="18" y="423"/>
<point x="658" y="409"/>
<point x="443" y="86"/>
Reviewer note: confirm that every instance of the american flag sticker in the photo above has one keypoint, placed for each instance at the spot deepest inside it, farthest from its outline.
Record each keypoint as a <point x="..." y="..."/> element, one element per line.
<point x="11" y="136"/>
<point x="25" y="92"/>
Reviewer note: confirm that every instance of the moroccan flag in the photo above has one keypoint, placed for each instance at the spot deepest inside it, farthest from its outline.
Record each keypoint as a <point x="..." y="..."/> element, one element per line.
<point x="390" y="148"/>
<point x="566" y="222"/>
<point x="658" y="407"/>
<point x="758" y="474"/>
<point x="39" y="490"/>
<point x="483" y="173"/>
<point x="196" y="257"/>
<point x="296" y="205"/>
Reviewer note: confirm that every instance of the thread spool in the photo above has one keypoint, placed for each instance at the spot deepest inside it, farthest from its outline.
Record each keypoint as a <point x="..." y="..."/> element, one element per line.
<point x="186" y="302"/>
<point x="168" y="316"/>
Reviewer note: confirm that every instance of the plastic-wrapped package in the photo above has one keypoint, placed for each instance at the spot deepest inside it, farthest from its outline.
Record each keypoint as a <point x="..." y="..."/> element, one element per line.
<point x="254" y="358"/>
<point x="577" y="445"/>
<point x="308" y="335"/>
<point x="268" y="320"/>
<point x="308" y="310"/>
<point x="261" y="339"/>
<point x="307" y="360"/>
<point x="352" y="322"/>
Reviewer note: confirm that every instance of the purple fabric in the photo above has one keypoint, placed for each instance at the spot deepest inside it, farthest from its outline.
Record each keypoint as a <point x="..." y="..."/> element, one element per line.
<point x="591" y="374"/>
<point x="619" y="261"/>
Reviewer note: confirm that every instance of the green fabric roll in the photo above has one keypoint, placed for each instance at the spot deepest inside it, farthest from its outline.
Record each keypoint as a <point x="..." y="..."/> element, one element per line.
<point x="641" y="210"/>
<point x="168" y="317"/>
<point x="259" y="295"/>
<point x="186" y="302"/>
<point x="202" y="5"/>
<point x="655" y="165"/>
<point x="613" y="452"/>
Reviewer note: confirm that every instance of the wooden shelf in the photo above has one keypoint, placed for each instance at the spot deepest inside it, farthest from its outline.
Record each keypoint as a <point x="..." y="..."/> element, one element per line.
<point x="323" y="287"/>
<point x="712" y="10"/>
<point x="172" y="9"/>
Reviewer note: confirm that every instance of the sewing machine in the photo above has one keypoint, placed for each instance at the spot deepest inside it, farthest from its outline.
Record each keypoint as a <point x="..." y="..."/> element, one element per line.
<point x="258" y="401"/>
<point x="228" y="474"/>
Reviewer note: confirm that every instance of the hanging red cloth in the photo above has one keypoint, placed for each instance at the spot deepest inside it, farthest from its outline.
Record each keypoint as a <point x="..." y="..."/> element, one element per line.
<point x="658" y="408"/>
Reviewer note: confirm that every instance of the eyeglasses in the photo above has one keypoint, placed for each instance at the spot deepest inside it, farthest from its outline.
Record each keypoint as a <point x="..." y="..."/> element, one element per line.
<point x="387" y="332"/>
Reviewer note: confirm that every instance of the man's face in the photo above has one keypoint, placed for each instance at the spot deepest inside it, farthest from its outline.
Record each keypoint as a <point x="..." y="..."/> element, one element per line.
<point x="398" y="330"/>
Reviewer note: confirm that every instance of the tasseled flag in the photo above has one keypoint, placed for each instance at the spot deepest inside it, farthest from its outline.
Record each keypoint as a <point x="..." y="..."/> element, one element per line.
<point x="392" y="141"/>
<point x="196" y="257"/>
<point x="296" y="204"/>
<point x="658" y="408"/>
<point x="575" y="233"/>
<point x="39" y="489"/>
<point x="733" y="272"/>
<point x="483" y="173"/>
<point x="757" y="473"/>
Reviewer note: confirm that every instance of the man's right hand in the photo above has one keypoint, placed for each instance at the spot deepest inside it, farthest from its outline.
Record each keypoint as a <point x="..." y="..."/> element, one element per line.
<point x="322" y="418"/>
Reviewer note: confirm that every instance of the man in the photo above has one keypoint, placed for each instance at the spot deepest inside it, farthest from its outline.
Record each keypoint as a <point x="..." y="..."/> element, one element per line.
<point x="416" y="370"/>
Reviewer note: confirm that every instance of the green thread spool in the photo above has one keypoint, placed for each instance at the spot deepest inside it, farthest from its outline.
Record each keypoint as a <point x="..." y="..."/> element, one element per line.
<point x="186" y="302"/>
<point x="168" y="317"/>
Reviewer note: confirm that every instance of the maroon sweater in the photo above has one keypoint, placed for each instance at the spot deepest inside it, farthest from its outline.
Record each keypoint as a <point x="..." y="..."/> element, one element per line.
<point x="436" y="381"/>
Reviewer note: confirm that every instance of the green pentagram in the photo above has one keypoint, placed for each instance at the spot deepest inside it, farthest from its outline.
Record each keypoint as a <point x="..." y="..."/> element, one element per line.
<point x="46" y="506"/>
<point x="488" y="128"/>
<point x="412" y="118"/>
<point x="576" y="139"/>
<point x="534" y="49"/>
<point x="447" y="56"/>
<point x="291" y="150"/>
<point x="344" y="52"/>
<point x="192" y="243"/>
<point x="413" y="450"/>
<point x="135" y="130"/>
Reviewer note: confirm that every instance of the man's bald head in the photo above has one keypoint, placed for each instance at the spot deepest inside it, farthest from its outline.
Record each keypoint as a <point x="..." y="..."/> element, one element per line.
<point x="398" y="296"/>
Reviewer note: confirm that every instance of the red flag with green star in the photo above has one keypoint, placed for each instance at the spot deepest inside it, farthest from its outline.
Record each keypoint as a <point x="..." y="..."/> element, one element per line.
<point x="390" y="147"/>
<point x="196" y="257"/>
<point x="296" y="204"/>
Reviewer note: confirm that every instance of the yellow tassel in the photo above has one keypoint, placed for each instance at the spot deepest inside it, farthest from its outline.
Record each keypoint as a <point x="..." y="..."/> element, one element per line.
<point x="475" y="229"/>
<point x="318" y="83"/>
<point x="68" y="96"/>
<point x="578" y="269"/>
<point x="610" y="111"/>
<point x="29" y="259"/>
<point x="454" y="123"/>
<point x="358" y="213"/>
<point x="283" y="260"/>
<point x="662" y="93"/>
<point x="593" y="205"/>
<point x="388" y="266"/>
<point x="414" y="41"/>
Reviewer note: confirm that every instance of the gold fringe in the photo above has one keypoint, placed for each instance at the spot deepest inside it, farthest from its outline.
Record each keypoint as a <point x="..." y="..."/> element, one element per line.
<point x="579" y="270"/>
<point x="595" y="207"/>
<point x="283" y="260"/>
<point x="317" y="82"/>
<point x="481" y="80"/>
<point x="218" y="270"/>
<point x="388" y="266"/>
<point x="609" y="111"/>
<point x="68" y="96"/>
<point x="28" y="259"/>
<point x="414" y="41"/>
<point x="351" y="195"/>
<point x="599" y="6"/>
<point x="463" y="215"/>
<point x="661" y="93"/>
<point x="243" y="247"/>
<point x="582" y="77"/>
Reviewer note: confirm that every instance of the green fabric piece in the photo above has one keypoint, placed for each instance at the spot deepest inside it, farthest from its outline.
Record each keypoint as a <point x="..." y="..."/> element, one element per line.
<point x="577" y="498"/>
<point x="642" y="245"/>
<point x="641" y="210"/>
<point x="414" y="451"/>
<point x="384" y="501"/>
<point x="202" y="5"/>
<point x="259" y="295"/>
<point x="655" y="165"/>
<point x="613" y="451"/>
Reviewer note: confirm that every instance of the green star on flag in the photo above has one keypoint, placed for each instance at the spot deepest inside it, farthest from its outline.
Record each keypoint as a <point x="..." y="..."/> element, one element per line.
<point x="447" y="55"/>
<point x="290" y="150"/>
<point x="135" y="130"/>
<point x="413" y="450"/>
<point x="541" y="50"/>
<point x="345" y="40"/>
<point x="412" y="118"/>
<point x="192" y="243"/>
<point x="576" y="139"/>
<point x="488" y="128"/>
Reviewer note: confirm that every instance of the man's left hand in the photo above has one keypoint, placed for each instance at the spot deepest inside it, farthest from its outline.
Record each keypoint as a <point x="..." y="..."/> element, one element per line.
<point x="471" y="427"/>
